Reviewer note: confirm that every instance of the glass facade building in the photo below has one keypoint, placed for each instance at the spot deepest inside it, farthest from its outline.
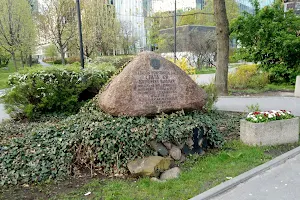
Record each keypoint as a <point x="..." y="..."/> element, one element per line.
<point x="131" y="14"/>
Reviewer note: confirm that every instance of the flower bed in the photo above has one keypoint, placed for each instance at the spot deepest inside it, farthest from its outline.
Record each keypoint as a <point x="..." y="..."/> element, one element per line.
<point x="270" y="128"/>
<point x="258" y="117"/>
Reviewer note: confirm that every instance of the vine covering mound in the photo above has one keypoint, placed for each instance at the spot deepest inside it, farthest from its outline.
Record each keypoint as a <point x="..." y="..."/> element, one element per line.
<point x="92" y="139"/>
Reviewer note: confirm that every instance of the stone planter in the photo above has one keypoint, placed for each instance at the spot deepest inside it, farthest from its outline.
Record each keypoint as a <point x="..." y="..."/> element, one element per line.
<point x="270" y="133"/>
<point x="297" y="87"/>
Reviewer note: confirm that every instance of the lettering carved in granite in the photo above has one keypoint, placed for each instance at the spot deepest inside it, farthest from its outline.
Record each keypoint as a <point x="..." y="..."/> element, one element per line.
<point x="156" y="88"/>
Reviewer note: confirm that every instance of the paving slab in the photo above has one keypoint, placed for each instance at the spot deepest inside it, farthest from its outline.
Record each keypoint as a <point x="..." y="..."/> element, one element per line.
<point x="279" y="183"/>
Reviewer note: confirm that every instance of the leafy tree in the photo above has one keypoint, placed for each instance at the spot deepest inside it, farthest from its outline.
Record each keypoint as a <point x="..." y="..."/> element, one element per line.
<point x="51" y="51"/>
<point x="59" y="23"/>
<point x="4" y="57"/>
<point x="17" y="31"/>
<point x="270" y="37"/>
<point x="100" y="27"/>
<point x="126" y="39"/>
<point x="205" y="16"/>
<point x="160" y="20"/>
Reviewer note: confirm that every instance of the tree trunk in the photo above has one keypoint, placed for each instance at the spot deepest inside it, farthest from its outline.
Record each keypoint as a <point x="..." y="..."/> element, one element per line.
<point x="22" y="59"/>
<point x="30" y="60"/>
<point x="222" y="31"/>
<point x="62" y="54"/>
<point x="14" y="59"/>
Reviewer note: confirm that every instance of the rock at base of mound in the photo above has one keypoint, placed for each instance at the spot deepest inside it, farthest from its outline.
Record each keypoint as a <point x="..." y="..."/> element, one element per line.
<point x="149" y="85"/>
<point x="149" y="166"/>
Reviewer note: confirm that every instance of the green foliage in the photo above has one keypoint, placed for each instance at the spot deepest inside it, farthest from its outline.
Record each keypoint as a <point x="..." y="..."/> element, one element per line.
<point x="271" y="37"/>
<point x="196" y="16"/>
<point x="117" y="61"/>
<point x="94" y="140"/>
<point x="233" y="56"/>
<point x="4" y="58"/>
<point x="72" y="60"/>
<point x="253" y="107"/>
<point x="52" y="89"/>
<point x="59" y="62"/>
<point x="51" y="51"/>
<point x="212" y="95"/>
<point x="248" y="76"/>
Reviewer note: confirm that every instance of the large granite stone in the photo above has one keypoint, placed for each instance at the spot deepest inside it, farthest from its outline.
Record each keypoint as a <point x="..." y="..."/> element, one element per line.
<point x="149" y="85"/>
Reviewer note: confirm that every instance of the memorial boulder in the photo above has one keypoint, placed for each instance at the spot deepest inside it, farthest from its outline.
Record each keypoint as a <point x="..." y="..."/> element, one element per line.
<point x="148" y="85"/>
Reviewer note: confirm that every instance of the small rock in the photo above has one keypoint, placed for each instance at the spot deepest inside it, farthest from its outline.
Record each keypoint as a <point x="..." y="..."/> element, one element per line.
<point x="168" y="145"/>
<point x="182" y="159"/>
<point x="170" y="174"/>
<point x="175" y="153"/>
<point x="159" y="147"/>
<point x="148" y="166"/>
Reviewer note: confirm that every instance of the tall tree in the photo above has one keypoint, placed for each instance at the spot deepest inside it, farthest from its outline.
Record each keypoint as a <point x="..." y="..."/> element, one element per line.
<point x="60" y="19"/>
<point x="205" y="16"/>
<point x="271" y="37"/>
<point x="17" y="31"/>
<point x="222" y="31"/>
<point x="100" y="27"/>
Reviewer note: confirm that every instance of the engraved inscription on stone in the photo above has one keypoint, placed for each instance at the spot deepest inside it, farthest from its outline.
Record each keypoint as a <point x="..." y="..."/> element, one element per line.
<point x="156" y="88"/>
<point x="155" y="63"/>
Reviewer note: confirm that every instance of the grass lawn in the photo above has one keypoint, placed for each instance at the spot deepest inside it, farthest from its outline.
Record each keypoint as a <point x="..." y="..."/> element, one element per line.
<point x="266" y="89"/>
<point x="199" y="174"/>
<point x="209" y="70"/>
<point x="4" y="73"/>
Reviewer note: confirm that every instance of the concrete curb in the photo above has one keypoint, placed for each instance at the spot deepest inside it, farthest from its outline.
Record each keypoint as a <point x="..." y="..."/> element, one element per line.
<point x="228" y="185"/>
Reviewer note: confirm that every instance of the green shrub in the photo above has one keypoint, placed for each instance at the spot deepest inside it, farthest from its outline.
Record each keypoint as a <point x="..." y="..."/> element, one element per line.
<point x="59" y="62"/>
<point x="212" y="96"/>
<point x="233" y="56"/>
<point x="53" y="89"/>
<point x="94" y="140"/>
<point x="248" y="76"/>
<point x="72" y="60"/>
<point x="117" y="61"/>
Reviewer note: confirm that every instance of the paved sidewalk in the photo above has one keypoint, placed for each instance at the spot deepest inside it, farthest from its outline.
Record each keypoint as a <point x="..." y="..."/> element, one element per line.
<point x="279" y="183"/>
<point x="3" y="114"/>
<point x="43" y="63"/>
<point x="240" y="104"/>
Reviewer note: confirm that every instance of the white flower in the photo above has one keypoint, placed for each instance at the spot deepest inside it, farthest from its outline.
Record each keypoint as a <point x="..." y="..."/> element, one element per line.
<point x="270" y="116"/>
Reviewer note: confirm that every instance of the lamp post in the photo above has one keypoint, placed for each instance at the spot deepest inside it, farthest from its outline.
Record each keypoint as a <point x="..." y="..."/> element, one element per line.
<point x="175" y="32"/>
<point x="80" y="34"/>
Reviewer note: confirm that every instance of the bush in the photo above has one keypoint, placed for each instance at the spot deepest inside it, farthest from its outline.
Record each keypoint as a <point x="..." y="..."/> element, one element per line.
<point x="212" y="96"/>
<point x="48" y="60"/>
<point x="117" y="61"/>
<point x="53" y="89"/>
<point x="184" y="65"/>
<point x="248" y="76"/>
<point x="59" y="62"/>
<point x="97" y="141"/>
<point x="72" y="60"/>
<point x="233" y="56"/>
